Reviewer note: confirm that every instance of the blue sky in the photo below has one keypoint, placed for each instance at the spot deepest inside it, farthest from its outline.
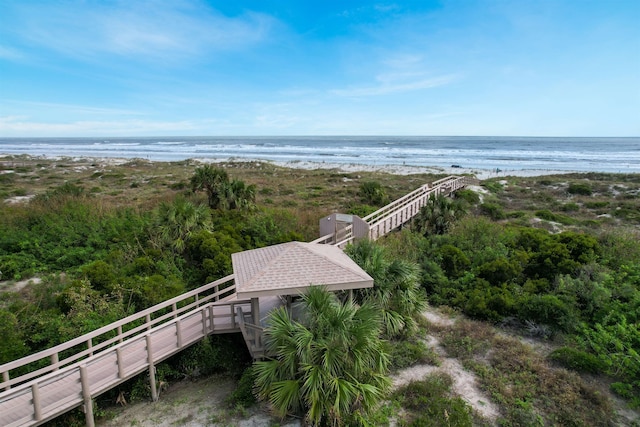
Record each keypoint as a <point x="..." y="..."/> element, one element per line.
<point x="135" y="67"/>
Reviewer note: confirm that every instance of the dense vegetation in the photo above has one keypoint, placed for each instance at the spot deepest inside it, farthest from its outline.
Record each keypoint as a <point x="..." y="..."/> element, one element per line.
<point x="557" y="258"/>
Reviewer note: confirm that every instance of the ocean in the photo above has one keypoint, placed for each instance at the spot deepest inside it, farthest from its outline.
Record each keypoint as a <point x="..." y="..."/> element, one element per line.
<point x="618" y="155"/>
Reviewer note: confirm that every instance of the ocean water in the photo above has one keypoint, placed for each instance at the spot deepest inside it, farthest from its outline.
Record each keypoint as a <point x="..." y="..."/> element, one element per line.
<point x="620" y="155"/>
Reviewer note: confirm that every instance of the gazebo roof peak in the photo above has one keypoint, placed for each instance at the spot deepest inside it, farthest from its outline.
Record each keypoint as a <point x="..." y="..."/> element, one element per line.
<point x="290" y="268"/>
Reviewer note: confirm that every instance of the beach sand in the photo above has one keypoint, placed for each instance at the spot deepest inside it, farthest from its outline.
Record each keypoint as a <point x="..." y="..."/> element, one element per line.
<point x="408" y="170"/>
<point x="479" y="173"/>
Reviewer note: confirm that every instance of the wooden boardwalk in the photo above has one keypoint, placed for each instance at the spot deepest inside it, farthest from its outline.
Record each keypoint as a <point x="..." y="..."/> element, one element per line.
<point x="106" y="357"/>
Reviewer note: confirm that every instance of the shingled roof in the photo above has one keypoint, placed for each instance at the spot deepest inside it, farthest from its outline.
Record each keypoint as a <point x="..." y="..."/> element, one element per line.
<point x="290" y="268"/>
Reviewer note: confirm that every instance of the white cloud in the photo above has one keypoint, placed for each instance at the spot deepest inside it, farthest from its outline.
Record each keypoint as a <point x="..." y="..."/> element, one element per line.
<point x="390" y="86"/>
<point x="136" y="29"/>
<point x="70" y="108"/>
<point x="10" y="54"/>
<point x="22" y="126"/>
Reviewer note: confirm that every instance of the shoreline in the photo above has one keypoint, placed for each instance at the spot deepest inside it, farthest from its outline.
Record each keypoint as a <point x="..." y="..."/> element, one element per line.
<point x="392" y="169"/>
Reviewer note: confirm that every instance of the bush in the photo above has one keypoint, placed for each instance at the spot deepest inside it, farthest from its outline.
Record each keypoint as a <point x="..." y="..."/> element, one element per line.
<point x="243" y="394"/>
<point x="431" y="400"/>
<point x="570" y="207"/>
<point x="405" y="353"/>
<point x="469" y="196"/>
<point x="577" y="360"/>
<point x="493" y="211"/>
<point x="372" y="193"/>
<point x="548" y="310"/>
<point x="493" y="186"/>
<point x="580" y="189"/>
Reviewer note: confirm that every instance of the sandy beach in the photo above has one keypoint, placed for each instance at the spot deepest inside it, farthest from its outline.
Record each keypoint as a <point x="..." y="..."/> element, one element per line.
<point x="409" y="170"/>
<point x="479" y="173"/>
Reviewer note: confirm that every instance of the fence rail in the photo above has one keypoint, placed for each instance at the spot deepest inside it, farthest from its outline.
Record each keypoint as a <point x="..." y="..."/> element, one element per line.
<point x="150" y="318"/>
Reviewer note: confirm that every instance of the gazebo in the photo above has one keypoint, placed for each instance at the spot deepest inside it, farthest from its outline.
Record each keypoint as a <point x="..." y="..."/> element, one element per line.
<point x="289" y="269"/>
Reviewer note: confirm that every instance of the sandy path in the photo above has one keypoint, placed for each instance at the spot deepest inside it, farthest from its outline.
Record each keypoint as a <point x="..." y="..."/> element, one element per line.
<point x="464" y="382"/>
<point x="202" y="403"/>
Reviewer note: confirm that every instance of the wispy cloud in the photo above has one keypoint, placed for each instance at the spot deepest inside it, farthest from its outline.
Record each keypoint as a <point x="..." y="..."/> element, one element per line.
<point x="389" y="86"/>
<point x="72" y="108"/>
<point x="155" y="30"/>
<point x="21" y="125"/>
<point x="10" y="54"/>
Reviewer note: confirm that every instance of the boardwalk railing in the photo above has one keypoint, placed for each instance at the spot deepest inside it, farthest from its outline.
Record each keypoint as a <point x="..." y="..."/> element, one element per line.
<point x="116" y="332"/>
<point x="77" y="384"/>
<point x="396" y="213"/>
<point x="95" y="362"/>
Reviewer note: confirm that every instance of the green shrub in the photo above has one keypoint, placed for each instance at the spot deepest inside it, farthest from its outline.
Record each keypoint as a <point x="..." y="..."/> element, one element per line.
<point x="493" y="186"/>
<point x="16" y="266"/>
<point x="596" y="205"/>
<point x="580" y="188"/>
<point x="243" y="394"/>
<point x="492" y="210"/>
<point x="372" y="193"/>
<point x="405" y="353"/>
<point x="469" y="196"/>
<point x="548" y="310"/>
<point x="7" y="178"/>
<point x="432" y="403"/>
<point x="454" y="261"/>
<point x="577" y="360"/>
<point x="570" y="207"/>
<point x="361" y="210"/>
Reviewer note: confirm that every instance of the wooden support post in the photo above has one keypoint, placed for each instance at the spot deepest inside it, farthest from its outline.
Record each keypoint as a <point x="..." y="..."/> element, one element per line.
<point x="37" y="411"/>
<point x="86" y="395"/>
<point x="147" y="319"/>
<point x="179" y="333"/>
<point x="120" y="362"/>
<point x="152" y="370"/>
<point x="255" y="311"/>
<point x="54" y="361"/>
<point x="119" y="333"/>
<point x="5" y="378"/>
<point x="90" y="346"/>
<point x="174" y="307"/>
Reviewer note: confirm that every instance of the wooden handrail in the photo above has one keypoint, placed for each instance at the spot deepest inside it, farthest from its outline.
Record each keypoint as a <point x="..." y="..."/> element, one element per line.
<point x="15" y="397"/>
<point x="52" y="352"/>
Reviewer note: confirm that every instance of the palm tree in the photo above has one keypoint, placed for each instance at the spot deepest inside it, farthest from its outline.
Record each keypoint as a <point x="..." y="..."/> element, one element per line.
<point x="238" y="195"/>
<point x="213" y="181"/>
<point x="329" y="366"/>
<point x="438" y="215"/>
<point x="178" y="220"/>
<point x="396" y="287"/>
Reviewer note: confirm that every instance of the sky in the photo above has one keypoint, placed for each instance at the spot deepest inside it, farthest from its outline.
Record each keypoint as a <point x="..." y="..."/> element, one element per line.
<point x="294" y="67"/>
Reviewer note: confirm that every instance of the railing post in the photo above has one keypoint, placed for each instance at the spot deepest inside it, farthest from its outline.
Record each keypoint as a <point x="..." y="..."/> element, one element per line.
<point x="147" y="319"/>
<point x="86" y="394"/>
<point x="204" y="322"/>
<point x="54" y="361"/>
<point x="6" y="378"/>
<point x="174" y="308"/>
<point x="35" y="392"/>
<point x="120" y="363"/>
<point x="90" y="346"/>
<point x="119" y="330"/>
<point x="179" y="332"/>
<point x="152" y="370"/>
